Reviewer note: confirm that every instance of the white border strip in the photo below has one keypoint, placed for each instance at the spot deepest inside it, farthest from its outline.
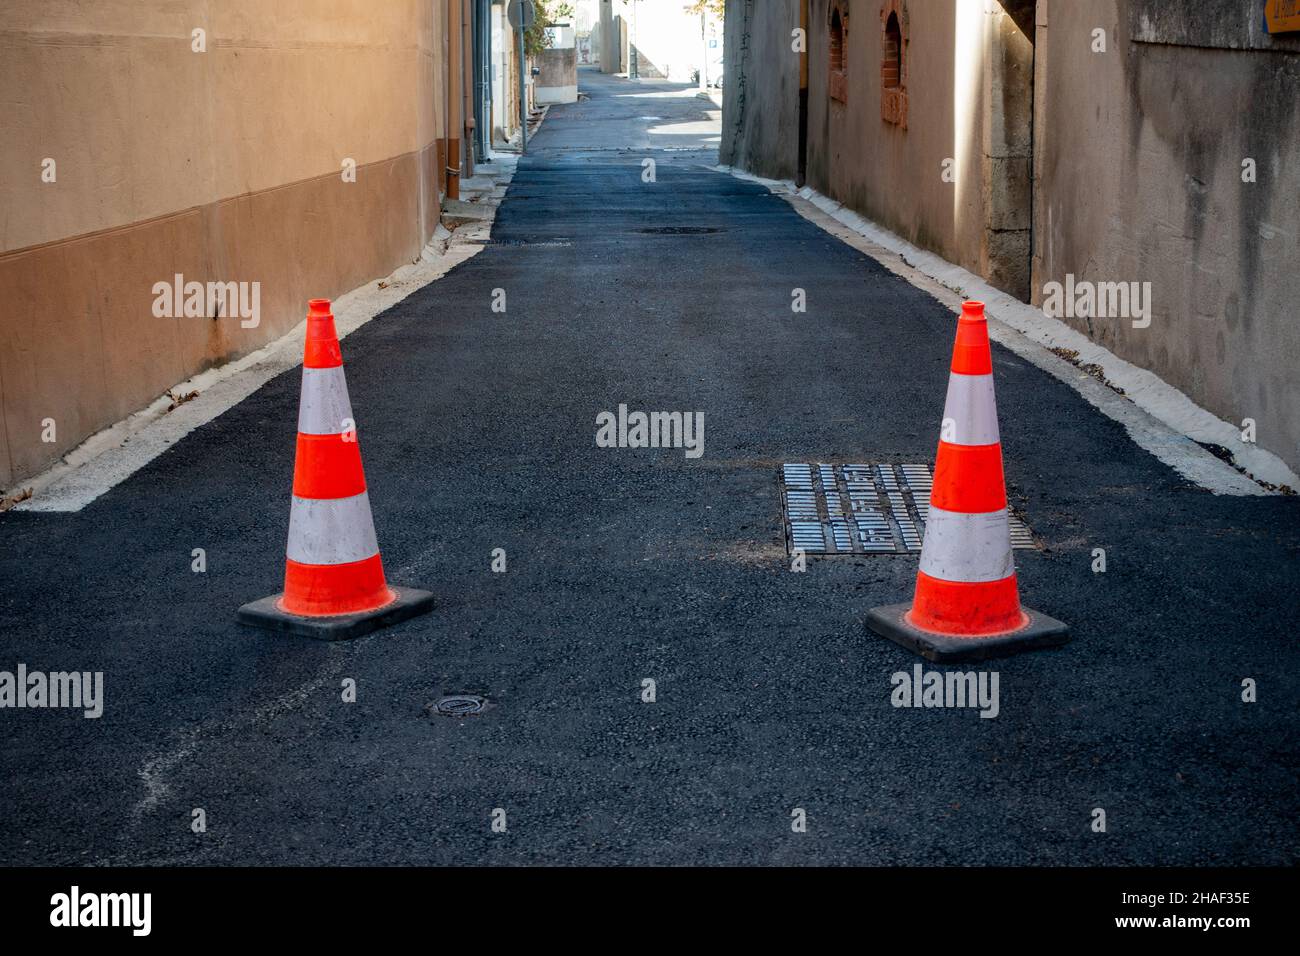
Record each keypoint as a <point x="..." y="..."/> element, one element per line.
<point x="972" y="408"/>
<point x="324" y="408"/>
<point x="1158" y="417"/>
<point x="970" y="548"/>
<point x="119" y="451"/>
<point x="331" y="530"/>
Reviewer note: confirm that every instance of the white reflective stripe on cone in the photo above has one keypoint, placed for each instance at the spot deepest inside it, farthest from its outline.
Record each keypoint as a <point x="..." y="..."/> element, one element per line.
<point x="331" y="530"/>
<point x="967" y="547"/>
<point x="324" y="408"/>
<point x="972" y="410"/>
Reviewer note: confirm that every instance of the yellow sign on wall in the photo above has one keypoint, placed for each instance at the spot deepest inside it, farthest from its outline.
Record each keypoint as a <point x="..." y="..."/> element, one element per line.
<point x="1281" y="16"/>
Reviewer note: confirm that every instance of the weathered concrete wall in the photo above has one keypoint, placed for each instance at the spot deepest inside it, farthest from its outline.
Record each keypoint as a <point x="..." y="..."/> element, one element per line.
<point x="1139" y="155"/>
<point x="760" y="109"/>
<point x="557" y="69"/>
<point x="222" y="165"/>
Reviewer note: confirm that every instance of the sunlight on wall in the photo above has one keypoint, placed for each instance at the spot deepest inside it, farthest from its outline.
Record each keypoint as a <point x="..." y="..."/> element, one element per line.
<point x="967" y="81"/>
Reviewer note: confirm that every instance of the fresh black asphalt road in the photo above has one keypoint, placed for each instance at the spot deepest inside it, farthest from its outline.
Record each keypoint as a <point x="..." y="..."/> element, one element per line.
<point x="478" y="429"/>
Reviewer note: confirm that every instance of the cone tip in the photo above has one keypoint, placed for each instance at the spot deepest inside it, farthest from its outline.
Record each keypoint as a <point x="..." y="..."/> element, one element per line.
<point x="972" y="309"/>
<point x="319" y="306"/>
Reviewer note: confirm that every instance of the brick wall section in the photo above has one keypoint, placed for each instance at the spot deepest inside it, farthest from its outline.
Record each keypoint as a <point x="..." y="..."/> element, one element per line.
<point x="838" y="80"/>
<point x="893" y="65"/>
<point x="889" y="71"/>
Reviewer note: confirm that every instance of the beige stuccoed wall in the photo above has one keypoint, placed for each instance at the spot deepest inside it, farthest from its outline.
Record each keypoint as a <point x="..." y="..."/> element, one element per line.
<point x="142" y="126"/>
<point x="893" y="175"/>
<point x="222" y="165"/>
<point x="1138" y="155"/>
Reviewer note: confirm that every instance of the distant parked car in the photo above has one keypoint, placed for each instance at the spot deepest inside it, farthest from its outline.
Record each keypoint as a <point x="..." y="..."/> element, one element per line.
<point x="716" y="71"/>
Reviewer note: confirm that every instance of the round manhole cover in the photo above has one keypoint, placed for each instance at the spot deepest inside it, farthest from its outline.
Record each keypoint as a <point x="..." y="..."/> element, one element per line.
<point x="458" y="705"/>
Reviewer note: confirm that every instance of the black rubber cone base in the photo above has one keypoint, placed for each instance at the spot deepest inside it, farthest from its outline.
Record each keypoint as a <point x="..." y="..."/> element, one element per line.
<point x="1040" y="631"/>
<point x="265" y="613"/>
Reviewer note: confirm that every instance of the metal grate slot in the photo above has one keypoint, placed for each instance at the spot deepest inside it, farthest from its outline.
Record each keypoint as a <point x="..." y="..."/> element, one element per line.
<point x="863" y="508"/>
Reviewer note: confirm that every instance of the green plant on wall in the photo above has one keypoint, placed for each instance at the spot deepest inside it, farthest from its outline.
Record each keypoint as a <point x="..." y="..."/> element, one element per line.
<point x="715" y="7"/>
<point x="548" y="12"/>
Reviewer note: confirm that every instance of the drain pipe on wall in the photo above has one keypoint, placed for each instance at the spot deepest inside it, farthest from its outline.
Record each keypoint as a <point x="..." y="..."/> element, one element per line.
<point x="523" y="103"/>
<point x="467" y="85"/>
<point x="455" y="96"/>
<point x="482" y="78"/>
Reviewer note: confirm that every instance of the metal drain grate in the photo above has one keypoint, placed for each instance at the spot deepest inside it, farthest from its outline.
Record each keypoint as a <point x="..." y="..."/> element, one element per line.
<point x="863" y="509"/>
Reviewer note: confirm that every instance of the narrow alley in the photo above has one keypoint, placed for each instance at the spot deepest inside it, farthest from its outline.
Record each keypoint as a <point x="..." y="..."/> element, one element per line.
<point x="625" y="268"/>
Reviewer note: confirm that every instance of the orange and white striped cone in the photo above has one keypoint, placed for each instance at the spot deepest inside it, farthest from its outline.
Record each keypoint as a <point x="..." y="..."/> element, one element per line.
<point x="334" y="585"/>
<point x="967" y="601"/>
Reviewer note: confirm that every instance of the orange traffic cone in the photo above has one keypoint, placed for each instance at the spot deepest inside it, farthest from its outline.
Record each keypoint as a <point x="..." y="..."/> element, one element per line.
<point x="334" y="585"/>
<point x="967" y="603"/>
